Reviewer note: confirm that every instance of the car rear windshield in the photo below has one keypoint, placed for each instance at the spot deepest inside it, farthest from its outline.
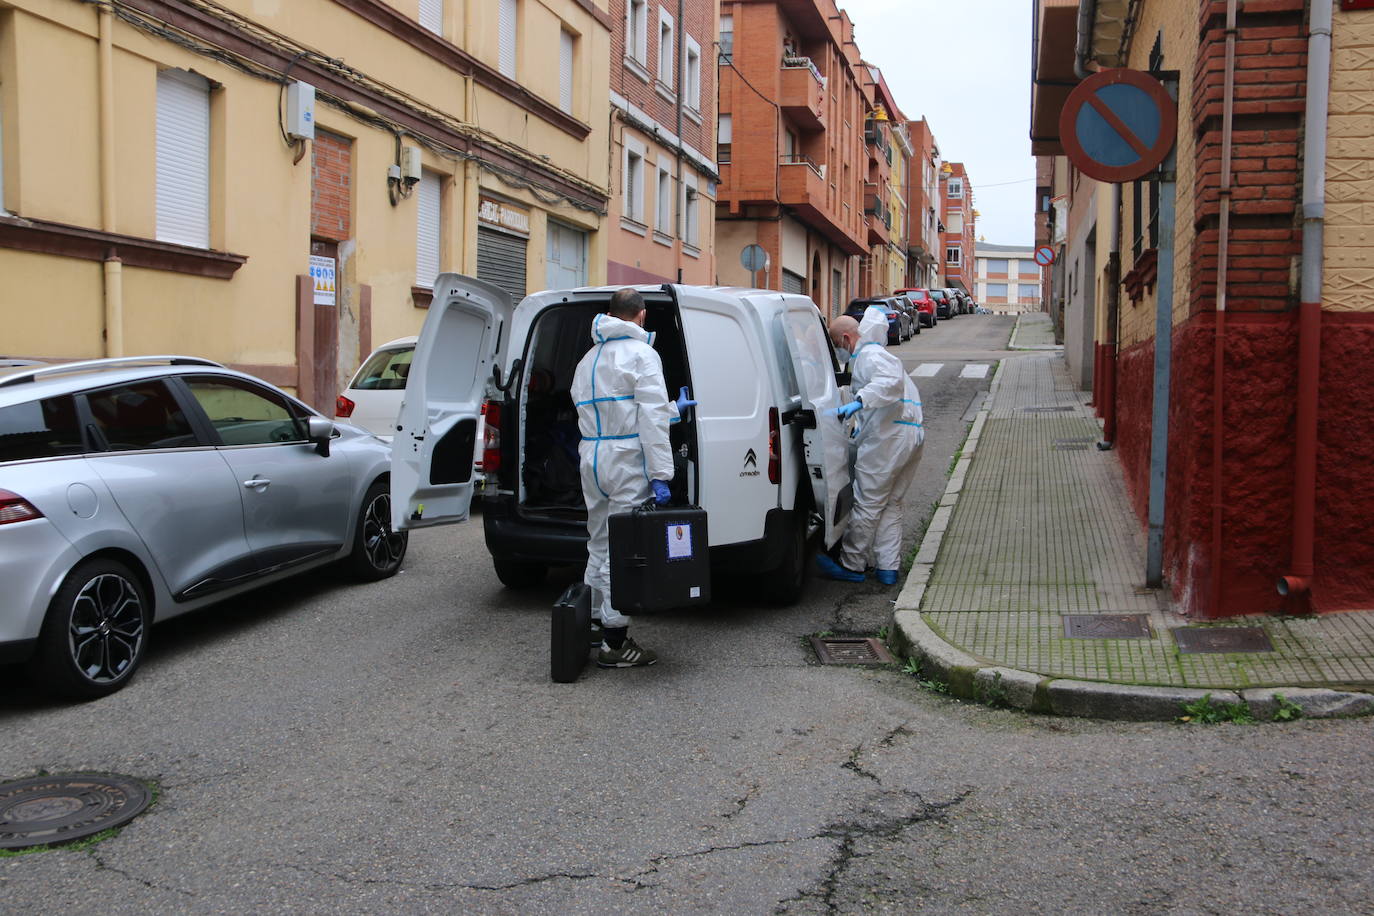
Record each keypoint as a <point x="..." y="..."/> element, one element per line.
<point x="938" y="294"/>
<point x="385" y="370"/>
<point x="39" y="429"/>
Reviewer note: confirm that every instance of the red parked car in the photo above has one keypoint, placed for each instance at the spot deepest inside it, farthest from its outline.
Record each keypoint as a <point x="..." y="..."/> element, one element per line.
<point x="921" y="298"/>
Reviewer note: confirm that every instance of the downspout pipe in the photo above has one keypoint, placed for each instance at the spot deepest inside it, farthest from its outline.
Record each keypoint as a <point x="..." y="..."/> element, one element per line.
<point x="113" y="267"/>
<point x="1083" y="49"/>
<point x="1219" y="328"/>
<point x="1112" y="326"/>
<point x="1298" y="581"/>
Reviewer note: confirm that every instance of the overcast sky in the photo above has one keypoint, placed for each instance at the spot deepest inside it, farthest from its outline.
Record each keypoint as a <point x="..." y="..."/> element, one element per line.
<point x="965" y="67"/>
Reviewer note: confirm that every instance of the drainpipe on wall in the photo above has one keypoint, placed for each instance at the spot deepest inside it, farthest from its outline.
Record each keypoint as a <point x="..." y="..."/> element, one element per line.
<point x="113" y="267"/>
<point x="1113" y="325"/>
<point x="1298" y="581"/>
<point x="1219" y="329"/>
<point x="1087" y="13"/>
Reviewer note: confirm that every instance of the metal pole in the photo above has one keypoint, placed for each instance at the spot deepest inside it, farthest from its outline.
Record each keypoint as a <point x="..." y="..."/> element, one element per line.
<point x="1164" y="334"/>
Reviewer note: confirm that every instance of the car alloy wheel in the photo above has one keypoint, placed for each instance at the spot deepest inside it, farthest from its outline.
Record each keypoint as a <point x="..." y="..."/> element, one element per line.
<point x="384" y="547"/>
<point x="105" y="629"/>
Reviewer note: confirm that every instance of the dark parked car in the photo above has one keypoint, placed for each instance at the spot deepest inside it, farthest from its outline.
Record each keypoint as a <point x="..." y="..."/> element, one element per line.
<point x="944" y="304"/>
<point x="857" y="307"/>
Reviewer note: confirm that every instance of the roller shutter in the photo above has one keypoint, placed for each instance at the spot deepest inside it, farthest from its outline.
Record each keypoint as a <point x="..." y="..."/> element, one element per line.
<point x="183" y="158"/>
<point x="793" y="283"/>
<point x="501" y="260"/>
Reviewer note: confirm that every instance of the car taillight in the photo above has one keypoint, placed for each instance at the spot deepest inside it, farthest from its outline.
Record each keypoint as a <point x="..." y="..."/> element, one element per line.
<point x="14" y="508"/>
<point x="491" y="437"/>
<point x="774" y="447"/>
<point x="343" y="407"/>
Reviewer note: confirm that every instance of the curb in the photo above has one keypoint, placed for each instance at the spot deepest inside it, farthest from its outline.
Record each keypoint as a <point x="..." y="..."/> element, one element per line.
<point x="972" y="678"/>
<point x="1030" y="348"/>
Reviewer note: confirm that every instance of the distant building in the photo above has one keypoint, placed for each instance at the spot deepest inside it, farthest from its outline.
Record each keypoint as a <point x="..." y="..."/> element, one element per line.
<point x="925" y="249"/>
<point x="959" y="218"/>
<point x="1006" y="278"/>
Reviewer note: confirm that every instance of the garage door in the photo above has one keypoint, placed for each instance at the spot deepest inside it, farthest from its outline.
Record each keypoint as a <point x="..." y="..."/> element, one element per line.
<point x="501" y="260"/>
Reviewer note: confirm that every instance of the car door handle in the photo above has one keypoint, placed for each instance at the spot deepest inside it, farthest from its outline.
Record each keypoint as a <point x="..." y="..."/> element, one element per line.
<point x="256" y="483"/>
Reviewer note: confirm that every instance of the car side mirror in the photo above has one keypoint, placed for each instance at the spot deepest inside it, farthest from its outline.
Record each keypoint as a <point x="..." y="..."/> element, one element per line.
<point x="320" y="431"/>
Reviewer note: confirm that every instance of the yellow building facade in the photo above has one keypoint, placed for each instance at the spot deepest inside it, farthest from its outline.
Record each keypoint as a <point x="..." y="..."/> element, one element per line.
<point x="155" y="196"/>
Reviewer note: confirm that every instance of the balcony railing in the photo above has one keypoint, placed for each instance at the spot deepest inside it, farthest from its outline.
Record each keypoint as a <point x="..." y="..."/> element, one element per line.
<point x="791" y="61"/>
<point x="801" y="159"/>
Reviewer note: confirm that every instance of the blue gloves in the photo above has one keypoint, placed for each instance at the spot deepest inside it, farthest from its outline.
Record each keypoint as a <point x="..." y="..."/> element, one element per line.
<point x="661" y="492"/>
<point x="846" y="411"/>
<point x="684" y="401"/>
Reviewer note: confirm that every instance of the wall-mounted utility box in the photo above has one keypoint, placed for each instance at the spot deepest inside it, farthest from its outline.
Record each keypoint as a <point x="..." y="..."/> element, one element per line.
<point x="410" y="164"/>
<point x="300" y="111"/>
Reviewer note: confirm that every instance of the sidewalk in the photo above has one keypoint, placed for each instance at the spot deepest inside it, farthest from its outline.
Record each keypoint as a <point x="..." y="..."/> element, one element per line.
<point x="1035" y="525"/>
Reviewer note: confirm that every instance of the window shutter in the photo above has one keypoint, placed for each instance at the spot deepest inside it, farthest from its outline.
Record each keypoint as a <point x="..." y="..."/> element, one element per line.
<point x="432" y="15"/>
<point x="183" y="158"/>
<point x="565" y="72"/>
<point x="724" y="129"/>
<point x="428" y="196"/>
<point x="507" y="20"/>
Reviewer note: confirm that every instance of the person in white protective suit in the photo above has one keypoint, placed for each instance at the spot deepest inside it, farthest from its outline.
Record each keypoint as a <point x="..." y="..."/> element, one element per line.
<point x="623" y="414"/>
<point x="888" y="439"/>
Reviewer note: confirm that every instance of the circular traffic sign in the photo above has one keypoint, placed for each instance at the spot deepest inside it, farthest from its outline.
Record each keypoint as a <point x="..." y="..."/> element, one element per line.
<point x="1044" y="255"/>
<point x="1118" y="125"/>
<point x="753" y="257"/>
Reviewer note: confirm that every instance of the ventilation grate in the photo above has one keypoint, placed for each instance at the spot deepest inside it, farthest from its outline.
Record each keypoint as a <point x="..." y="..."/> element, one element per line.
<point x="839" y="650"/>
<point x="1222" y="639"/>
<point x="1107" y="626"/>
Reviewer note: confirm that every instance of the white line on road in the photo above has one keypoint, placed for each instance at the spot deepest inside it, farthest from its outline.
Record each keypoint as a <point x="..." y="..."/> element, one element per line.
<point x="927" y="370"/>
<point x="975" y="370"/>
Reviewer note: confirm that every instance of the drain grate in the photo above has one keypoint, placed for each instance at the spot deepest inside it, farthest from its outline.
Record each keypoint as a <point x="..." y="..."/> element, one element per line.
<point x="1068" y="447"/>
<point x="1222" y="639"/>
<point x="1047" y="409"/>
<point x="839" y="650"/>
<point x="1081" y="440"/>
<point x="1107" y="626"/>
<point x="55" y="809"/>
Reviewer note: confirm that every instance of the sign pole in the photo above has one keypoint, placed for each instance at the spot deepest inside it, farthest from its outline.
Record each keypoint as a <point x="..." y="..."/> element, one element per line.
<point x="1164" y="339"/>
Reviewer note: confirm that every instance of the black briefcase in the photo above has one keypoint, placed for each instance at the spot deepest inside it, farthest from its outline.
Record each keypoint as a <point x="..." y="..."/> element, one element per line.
<point x="571" y="633"/>
<point x="660" y="558"/>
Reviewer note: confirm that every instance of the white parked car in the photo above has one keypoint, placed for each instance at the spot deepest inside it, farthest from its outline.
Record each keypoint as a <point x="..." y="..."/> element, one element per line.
<point x="762" y="452"/>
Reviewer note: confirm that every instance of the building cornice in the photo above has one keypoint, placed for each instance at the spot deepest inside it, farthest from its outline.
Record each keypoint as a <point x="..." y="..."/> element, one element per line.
<point x="60" y="239"/>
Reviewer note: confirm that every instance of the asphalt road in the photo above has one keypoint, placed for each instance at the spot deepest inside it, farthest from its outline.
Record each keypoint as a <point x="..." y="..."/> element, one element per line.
<point x="398" y="747"/>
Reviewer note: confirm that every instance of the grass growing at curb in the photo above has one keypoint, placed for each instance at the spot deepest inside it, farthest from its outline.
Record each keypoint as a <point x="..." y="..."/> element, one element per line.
<point x="1206" y="711"/>
<point x="913" y="668"/>
<point x="1287" y="711"/>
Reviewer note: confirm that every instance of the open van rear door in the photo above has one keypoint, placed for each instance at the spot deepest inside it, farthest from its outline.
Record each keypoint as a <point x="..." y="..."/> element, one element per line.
<point x="431" y="453"/>
<point x="823" y="434"/>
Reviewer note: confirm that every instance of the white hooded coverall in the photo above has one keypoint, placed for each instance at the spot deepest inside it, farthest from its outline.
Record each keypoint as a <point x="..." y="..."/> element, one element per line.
<point x="888" y="441"/>
<point x="623" y="413"/>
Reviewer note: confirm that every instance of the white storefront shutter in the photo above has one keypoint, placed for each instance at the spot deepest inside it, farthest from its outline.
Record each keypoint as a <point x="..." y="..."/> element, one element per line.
<point x="427" y="235"/>
<point x="183" y="158"/>
<point x="507" y="21"/>
<point x="432" y="15"/>
<point x="565" y="72"/>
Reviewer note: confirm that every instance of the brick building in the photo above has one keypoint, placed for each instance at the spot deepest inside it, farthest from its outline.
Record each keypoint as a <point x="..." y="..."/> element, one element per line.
<point x="925" y="248"/>
<point x="793" y="108"/>
<point x="889" y="149"/>
<point x="1268" y="451"/>
<point x="958" y="217"/>
<point x="663" y="101"/>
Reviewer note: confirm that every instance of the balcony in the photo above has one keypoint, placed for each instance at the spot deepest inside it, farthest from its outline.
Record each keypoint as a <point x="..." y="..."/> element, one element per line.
<point x="802" y="186"/>
<point x="879" y="219"/>
<point x="802" y="93"/>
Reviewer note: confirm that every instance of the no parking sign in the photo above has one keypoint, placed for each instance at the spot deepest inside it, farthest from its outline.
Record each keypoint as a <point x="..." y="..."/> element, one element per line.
<point x="1118" y="125"/>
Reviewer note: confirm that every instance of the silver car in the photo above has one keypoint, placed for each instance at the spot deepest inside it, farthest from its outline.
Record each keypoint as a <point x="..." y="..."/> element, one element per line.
<point x="133" y="490"/>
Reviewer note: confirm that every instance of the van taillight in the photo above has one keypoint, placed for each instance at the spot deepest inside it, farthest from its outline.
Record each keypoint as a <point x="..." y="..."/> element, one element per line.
<point x="491" y="437"/>
<point x="774" y="447"/>
<point x="15" y="508"/>
<point x="343" y="407"/>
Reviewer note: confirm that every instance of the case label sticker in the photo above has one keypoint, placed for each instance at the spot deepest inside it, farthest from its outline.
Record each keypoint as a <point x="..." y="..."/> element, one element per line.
<point x="679" y="541"/>
<point x="694" y="591"/>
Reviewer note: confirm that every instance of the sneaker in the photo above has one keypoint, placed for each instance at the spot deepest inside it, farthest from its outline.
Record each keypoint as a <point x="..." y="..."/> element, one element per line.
<point x="886" y="576"/>
<point x="597" y="637"/>
<point x="832" y="570"/>
<point x="629" y="655"/>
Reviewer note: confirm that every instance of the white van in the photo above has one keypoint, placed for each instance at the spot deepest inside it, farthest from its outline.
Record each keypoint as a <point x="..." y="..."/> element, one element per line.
<point x="762" y="452"/>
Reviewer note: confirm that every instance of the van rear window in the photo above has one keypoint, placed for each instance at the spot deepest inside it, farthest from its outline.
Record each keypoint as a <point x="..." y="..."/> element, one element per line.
<point x="39" y="429"/>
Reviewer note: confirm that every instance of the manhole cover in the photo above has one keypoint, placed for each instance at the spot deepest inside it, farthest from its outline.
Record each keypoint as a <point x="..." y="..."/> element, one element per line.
<point x="55" y="809"/>
<point x="1222" y="639"/>
<point x="838" y="650"/>
<point x="1107" y="626"/>
<point x="1047" y="409"/>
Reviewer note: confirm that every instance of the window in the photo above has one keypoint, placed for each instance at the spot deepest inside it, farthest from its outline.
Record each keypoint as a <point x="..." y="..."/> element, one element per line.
<point x="691" y="73"/>
<point x="727" y="38"/>
<point x="955" y="224"/>
<point x="952" y="254"/>
<point x="997" y="265"/>
<point x="565" y="70"/>
<point x="385" y="370"/>
<point x="634" y="185"/>
<point x="667" y="45"/>
<point x="690" y="208"/>
<point x="1028" y="291"/>
<point x="507" y="21"/>
<point x="183" y="158"/>
<point x="724" y="135"/>
<point x="432" y="15"/>
<point x="997" y="290"/>
<point x="637" y="31"/>
<point x="245" y="414"/>
<point x="39" y="429"/>
<point x="139" y="416"/>
<point x="664" y="204"/>
<point x="956" y="187"/>
<point x="428" y="220"/>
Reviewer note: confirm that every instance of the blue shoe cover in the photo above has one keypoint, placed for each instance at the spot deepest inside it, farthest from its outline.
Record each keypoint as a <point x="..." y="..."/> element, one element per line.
<point x="832" y="570"/>
<point x="886" y="576"/>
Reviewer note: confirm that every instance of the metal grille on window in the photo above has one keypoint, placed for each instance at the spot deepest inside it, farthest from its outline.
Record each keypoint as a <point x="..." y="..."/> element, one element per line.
<point x="183" y="158"/>
<point x="501" y="260"/>
<point x="428" y="197"/>
<point x="507" y="18"/>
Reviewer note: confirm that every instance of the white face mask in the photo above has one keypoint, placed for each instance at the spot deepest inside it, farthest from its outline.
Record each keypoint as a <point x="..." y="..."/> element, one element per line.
<point x="842" y="355"/>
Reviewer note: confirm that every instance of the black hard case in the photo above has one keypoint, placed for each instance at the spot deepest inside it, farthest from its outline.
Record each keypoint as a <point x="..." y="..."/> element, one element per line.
<point x="660" y="558"/>
<point x="570" y="635"/>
